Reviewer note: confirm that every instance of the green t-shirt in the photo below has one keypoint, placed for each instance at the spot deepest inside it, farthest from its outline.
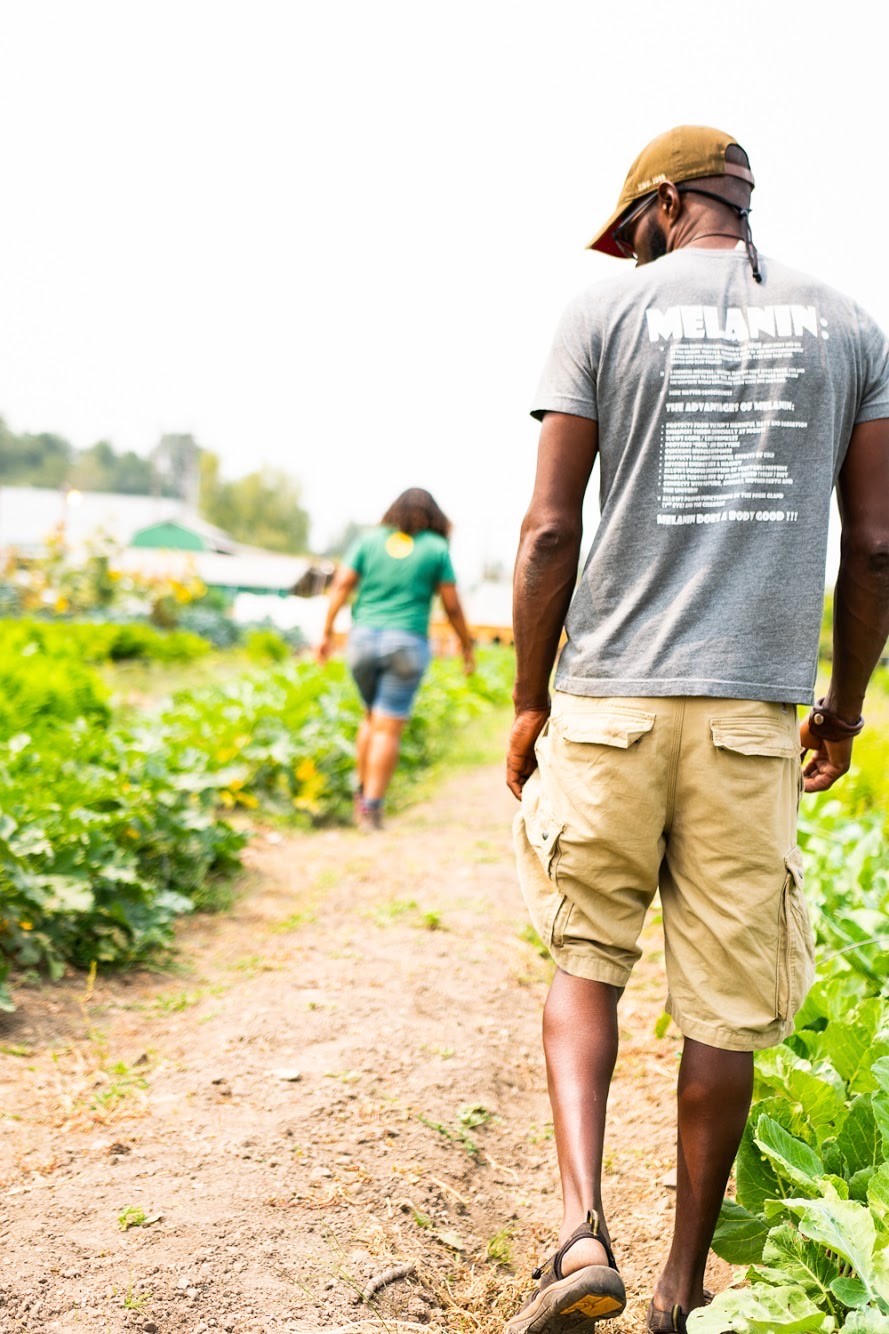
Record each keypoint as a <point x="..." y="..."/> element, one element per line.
<point x="398" y="577"/>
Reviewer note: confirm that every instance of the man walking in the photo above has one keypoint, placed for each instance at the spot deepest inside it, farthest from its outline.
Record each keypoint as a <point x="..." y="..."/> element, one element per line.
<point x="724" y="394"/>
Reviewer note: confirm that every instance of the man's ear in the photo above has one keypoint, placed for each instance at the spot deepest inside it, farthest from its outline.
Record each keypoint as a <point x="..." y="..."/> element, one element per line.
<point x="669" y="204"/>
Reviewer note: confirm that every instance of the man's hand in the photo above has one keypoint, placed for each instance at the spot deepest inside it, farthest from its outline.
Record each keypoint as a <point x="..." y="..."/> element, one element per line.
<point x="828" y="762"/>
<point x="468" y="660"/>
<point x="324" y="650"/>
<point x="520" y="758"/>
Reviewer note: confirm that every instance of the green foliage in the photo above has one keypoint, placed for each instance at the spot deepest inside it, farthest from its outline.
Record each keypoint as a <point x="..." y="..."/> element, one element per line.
<point x="266" y="646"/>
<point x="37" y="689"/>
<point x="114" y="829"/>
<point x="114" y="836"/>
<point x="101" y="468"/>
<point x="33" y="460"/>
<point x="264" y="508"/>
<point x="71" y="643"/>
<point x="285" y="738"/>
<point x="51" y="461"/>
<point x="210" y="622"/>
<point x="811" y="1216"/>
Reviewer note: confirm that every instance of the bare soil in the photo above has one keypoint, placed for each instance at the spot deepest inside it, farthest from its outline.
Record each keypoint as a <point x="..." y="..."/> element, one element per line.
<point x="343" y="1074"/>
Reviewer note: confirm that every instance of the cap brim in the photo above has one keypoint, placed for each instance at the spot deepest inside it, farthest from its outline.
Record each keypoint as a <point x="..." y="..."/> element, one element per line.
<point x="603" y="241"/>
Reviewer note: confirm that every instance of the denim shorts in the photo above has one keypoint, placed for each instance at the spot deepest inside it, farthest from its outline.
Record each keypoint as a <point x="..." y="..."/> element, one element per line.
<point x="388" y="666"/>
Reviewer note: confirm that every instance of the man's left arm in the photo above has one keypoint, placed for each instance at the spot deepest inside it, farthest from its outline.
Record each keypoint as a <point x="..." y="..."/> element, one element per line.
<point x="545" y="577"/>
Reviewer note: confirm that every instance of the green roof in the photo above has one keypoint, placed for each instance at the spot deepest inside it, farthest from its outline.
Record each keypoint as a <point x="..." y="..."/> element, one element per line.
<point x="171" y="536"/>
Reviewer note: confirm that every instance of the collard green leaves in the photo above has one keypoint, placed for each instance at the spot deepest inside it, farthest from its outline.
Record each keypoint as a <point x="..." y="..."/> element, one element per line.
<point x="812" y="1176"/>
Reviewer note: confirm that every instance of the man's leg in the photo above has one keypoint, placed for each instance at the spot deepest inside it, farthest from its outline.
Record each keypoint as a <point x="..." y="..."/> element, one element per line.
<point x="714" y="1094"/>
<point x="580" y="1042"/>
<point x="382" y="754"/>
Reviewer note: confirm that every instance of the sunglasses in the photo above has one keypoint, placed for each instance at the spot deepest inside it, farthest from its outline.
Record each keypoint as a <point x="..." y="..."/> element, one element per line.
<point x="625" y="248"/>
<point x="619" y="236"/>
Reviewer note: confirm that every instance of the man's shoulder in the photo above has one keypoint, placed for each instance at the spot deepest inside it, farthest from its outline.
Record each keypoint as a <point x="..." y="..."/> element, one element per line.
<point x="777" y="272"/>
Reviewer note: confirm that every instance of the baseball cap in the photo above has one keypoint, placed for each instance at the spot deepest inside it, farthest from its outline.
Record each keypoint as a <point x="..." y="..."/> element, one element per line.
<point x="682" y="154"/>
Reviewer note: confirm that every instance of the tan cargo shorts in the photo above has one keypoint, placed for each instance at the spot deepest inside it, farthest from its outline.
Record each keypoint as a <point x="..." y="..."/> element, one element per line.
<point x="696" y="797"/>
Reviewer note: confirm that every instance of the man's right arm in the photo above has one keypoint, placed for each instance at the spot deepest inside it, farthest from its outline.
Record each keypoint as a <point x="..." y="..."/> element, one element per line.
<point x="861" y="597"/>
<point x="545" y="576"/>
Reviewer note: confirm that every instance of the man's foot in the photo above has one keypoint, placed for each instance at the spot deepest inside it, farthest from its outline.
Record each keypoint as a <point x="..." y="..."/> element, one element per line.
<point x="579" y="1286"/>
<point x="672" y="1320"/>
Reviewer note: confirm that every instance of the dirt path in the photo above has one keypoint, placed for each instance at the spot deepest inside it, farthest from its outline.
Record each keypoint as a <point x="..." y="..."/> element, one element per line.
<point x="345" y="1075"/>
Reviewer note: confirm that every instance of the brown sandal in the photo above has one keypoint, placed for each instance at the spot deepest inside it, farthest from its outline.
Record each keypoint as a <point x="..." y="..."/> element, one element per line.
<point x="672" y="1321"/>
<point x="572" y="1302"/>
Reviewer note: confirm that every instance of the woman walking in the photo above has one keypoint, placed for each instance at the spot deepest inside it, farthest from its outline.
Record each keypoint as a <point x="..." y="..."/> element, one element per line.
<point x="397" y="569"/>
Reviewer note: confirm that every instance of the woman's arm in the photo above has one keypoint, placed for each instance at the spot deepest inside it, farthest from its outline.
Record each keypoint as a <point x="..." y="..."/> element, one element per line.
<point x="454" y="612"/>
<point x="345" y="581"/>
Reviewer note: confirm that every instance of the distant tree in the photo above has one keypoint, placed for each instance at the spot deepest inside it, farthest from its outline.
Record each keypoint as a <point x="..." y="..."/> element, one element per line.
<point x="348" y="534"/>
<point x="262" y="509"/>
<point x="33" y="460"/>
<point x="93" y="468"/>
<point x="176" y="468"/>
<point x="132" y="474"/>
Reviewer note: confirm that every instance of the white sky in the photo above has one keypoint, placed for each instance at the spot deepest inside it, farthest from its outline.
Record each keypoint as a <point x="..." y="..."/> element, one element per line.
<point x="335" y="238"/>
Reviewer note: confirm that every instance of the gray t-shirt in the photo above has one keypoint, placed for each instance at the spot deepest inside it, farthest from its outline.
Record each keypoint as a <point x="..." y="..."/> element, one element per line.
<point x="725" y="409"/>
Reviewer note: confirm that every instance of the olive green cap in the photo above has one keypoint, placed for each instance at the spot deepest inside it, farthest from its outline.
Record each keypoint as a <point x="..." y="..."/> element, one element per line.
<point x="682" y="154"/>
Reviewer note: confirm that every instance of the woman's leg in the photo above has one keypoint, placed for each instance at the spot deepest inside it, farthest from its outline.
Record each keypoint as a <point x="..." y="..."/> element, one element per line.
<point x="382" y="754"/>
<point x="362" y="748"/>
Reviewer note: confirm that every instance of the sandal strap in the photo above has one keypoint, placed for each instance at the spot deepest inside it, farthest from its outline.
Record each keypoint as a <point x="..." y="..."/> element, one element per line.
<point x="676" y="1315"/>
<point x="588" y="1231"/>
<point x="658" y="1320"/>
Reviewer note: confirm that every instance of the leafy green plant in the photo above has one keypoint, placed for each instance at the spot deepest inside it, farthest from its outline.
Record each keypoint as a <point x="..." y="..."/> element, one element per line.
<point x="115" y="828"/>
<point x="133" y="1216"/>
<point x="499" y="1247"/>
<point x="811" y="1213"/>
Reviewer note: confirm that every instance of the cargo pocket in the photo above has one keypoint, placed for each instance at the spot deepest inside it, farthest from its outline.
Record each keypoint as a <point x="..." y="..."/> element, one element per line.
<point x="796" y="950"/>
<point x="754" y="736"/>
<point x="542" y="830"/>
<point x="560" y="922"/>
<point x="621" y="729"/>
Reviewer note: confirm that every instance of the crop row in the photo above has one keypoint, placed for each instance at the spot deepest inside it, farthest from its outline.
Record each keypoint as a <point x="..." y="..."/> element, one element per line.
<point x="111" y="828"/>
<point x="811" y="1214"/>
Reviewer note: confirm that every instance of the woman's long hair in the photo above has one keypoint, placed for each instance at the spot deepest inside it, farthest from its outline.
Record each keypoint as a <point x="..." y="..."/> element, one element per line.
<point x="416" y="512"/>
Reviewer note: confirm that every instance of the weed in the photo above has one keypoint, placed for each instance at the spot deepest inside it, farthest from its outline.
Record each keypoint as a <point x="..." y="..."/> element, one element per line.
<point x="327" y="879"/>
<point x="457" y="1136"/>
<point x="662" y="1025"/>
<point x="133" y="1216"/>
<point x="393" y="911"/>
<point x="537" y="1134"/>
<point x="15" y="1049"/>
<point x="421" y="1219"/>
<point x="530" y="937"/>
<point x="122" y="1080"/>
<point x="253" y="964"/>
<point x="432" y="921"/>
<point x="174" y="1003"/>
<point x="474" y="1115"/>
<point x="295" y="921"/>
<point x="499" y="1247"/>
<point x="136" y="1301"/>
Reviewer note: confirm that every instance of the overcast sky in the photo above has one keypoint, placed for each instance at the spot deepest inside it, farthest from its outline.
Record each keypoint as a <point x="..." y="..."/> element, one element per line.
<point x="335" y="238"/>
